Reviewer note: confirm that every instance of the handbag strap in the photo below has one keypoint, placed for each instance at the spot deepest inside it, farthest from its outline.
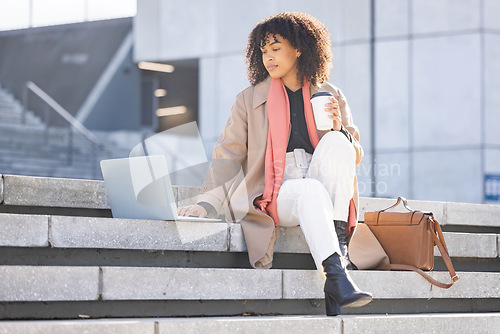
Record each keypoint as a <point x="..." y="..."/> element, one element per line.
<point x="441" y="244"/>
<point x="400" y="199"/>
<point x="437" y="236"/>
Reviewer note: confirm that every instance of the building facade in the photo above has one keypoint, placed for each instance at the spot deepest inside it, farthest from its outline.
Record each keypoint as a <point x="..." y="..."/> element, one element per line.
<point x="420" y="77"/>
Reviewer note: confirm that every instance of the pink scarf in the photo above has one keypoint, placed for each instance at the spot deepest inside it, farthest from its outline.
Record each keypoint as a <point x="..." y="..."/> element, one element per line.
<point x="278" y="113"/>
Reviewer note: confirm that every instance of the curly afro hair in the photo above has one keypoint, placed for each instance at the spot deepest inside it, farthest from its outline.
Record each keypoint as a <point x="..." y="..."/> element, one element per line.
<point x="305" y="33"/>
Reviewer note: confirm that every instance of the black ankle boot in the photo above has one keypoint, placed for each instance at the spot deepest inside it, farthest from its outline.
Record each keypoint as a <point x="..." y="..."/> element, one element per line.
<point x="340" y="229"/>
<point x="339" y="289"/>
<point x="332" y="306"/>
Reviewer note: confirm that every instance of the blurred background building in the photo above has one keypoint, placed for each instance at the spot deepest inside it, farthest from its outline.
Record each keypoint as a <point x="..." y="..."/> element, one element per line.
<point x="421" y="77"/>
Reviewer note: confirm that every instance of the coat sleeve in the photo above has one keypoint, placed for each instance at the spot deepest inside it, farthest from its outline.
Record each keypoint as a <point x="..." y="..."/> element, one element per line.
<point x="229" y="157"/>
<point x="350" y="126"/>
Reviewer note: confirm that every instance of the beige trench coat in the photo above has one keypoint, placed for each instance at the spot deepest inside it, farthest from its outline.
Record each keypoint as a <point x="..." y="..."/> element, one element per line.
<point x="243" y="142"/>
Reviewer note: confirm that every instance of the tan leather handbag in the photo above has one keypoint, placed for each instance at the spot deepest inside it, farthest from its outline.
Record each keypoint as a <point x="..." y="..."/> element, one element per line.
<point x="408" y="239"/>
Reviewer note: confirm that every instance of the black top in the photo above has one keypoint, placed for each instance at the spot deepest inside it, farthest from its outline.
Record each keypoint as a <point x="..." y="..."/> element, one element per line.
<point x="299" y="136"/>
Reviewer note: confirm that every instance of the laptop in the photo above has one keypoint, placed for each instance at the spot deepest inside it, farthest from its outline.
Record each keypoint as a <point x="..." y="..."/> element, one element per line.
<point x="140" y="188"/>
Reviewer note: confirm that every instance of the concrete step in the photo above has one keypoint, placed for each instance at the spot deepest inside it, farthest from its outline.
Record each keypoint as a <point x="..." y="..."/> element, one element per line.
<point x="42" y="171"/>
<point x="6" y="94"/>
<point x="135" y="234"/>
<point x="345" y="324"/>
<point x="12" y="129"/>
<point x="71" y="172"/>
<point x="52" y="159"/>
<point x="50" y="153"/>
<point x="11" y="147"/>
<point x="12" y="106"/>
<point x="61" y="168"/>
<point x="14" y="152"/>
<point x="47" y="153"/>
<point x="25" y="160"/>
<point x="32" y="154"/>
<point x="38" y="192"/>
<point x="54" y="192"/>
<point x="15" y="113"/>
<point x="7" y="121"/>
<point x="34" y="164"/>
<point x="49" y="156"/>
<point x="31" y="149"/>
<point x="37" y="130"/>
<point x="39" y="137"/>
<point x="41" y="151"/>
<point x="99" y="284"/>
<point x="55" y="163"/>
<point x="10" y="103"/>
<point x="41" y="146"/>
<point x="7" y="98"/>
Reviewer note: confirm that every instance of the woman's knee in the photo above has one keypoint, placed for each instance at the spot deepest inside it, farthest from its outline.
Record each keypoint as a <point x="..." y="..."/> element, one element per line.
<point x="335" y="143"/>
<point x="312" y="189"/>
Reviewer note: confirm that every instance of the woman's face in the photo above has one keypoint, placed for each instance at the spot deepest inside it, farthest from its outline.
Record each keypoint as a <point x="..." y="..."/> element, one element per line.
<point x="280" y="59"/>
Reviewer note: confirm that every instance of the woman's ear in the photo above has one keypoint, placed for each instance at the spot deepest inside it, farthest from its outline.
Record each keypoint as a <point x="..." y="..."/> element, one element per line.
<point x="298" y="53"/>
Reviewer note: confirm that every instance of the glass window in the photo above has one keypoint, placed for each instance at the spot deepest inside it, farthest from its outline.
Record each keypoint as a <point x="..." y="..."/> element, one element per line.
<point x="48" y="12"/>
<point x="14" y="14"/>
<point x="20" y="14"/>
<point x="108" y="9"/>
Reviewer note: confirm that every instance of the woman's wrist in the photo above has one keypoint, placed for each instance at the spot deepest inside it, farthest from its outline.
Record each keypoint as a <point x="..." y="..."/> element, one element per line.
<point x="209" y="208"/>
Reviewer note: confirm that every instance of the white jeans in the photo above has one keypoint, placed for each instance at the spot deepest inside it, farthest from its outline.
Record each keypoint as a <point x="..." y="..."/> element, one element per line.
<point x="316" y="190"/>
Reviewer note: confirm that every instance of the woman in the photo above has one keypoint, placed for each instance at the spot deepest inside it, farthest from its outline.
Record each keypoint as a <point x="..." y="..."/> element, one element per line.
<point x="293" y="174"/>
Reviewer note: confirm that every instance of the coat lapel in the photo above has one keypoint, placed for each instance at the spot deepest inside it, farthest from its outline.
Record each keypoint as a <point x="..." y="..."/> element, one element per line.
<point x="260" y="92"/>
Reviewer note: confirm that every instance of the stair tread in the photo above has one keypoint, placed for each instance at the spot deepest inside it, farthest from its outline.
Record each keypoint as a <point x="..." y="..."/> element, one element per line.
<point x="49" y="192"/>
<point x="137" y="234"/>
<point x="445" y="323"/>
<point x="73" y="283"/>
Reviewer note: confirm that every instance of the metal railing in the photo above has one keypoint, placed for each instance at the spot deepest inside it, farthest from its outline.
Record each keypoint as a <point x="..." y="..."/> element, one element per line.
<point x="74" y="123"/>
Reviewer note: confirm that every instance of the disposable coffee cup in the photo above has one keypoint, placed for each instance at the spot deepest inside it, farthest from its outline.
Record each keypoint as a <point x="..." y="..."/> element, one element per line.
<point x="318" y="102"/>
